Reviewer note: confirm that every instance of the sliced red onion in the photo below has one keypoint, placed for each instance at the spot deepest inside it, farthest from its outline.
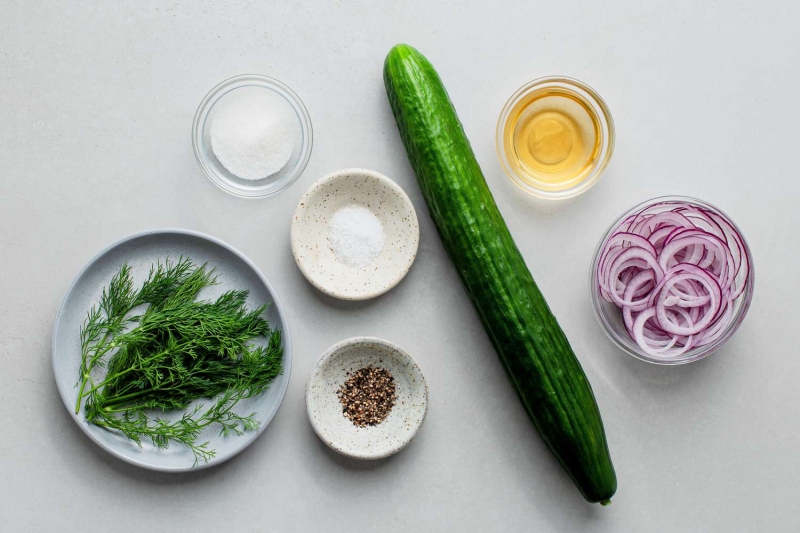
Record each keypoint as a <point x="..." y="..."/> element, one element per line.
<point x="675" y="270"/>
<point x="662" y="315"/>
<point x="632" y="257"/>
<point x="649" y="346"/>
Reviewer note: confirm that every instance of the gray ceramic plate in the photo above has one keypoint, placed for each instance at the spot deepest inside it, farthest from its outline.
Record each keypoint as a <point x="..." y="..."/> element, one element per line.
<point x="140" y="251"/>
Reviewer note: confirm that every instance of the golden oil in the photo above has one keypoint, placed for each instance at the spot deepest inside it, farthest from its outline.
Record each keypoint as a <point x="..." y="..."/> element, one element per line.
<point x="552" y="139"/>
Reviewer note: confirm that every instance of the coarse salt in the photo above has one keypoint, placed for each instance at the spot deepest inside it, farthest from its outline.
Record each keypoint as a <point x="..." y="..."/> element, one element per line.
<point x="252" y="137"/>
<point x="355" y="235"/>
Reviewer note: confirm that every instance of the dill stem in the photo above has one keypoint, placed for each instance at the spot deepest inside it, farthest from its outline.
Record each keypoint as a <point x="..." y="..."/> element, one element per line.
<point x="126" y="398"/>
<point x="109" y="378"/>
<point x="85" y="377"/>
<point x="138" y="366"/>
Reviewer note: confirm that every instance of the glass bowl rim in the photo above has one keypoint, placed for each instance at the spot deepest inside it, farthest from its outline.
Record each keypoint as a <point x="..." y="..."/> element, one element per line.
<point x="231" y="84"/>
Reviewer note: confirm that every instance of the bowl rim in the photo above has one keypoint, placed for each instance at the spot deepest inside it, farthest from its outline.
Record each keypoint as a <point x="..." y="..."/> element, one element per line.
<point x="692" y="355"/>
<point x="315" y="374"/>
<point x="285" y="335"/>
<point x="604" y="115"/>
<point x="236" y="82"/>
<point x="295" y="240"/>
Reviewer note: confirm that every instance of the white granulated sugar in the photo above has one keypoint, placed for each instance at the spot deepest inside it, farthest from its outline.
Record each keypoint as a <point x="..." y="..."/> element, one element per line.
<point x="356" y="236"/>
<point x="252" y="137"/>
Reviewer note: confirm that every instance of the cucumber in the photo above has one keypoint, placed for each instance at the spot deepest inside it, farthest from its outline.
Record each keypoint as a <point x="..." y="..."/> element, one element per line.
<point x="535" y="352"/>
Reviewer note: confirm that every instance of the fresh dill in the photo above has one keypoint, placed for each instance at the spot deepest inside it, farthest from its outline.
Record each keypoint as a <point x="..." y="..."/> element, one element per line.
<point x="162" y="348"/>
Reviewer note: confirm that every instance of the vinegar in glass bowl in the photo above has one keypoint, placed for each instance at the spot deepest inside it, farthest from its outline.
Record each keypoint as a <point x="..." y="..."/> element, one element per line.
<point x="555" y="137"/>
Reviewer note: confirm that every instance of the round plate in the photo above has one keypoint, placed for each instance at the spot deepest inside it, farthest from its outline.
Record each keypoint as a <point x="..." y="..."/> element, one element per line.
<point x="309" y="234"/>
<point x="140" y="251"/>
<point x="325" y="411"/>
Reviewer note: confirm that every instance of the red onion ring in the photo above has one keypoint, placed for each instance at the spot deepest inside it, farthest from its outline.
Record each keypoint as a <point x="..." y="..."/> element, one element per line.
<point x="675" y="270"/>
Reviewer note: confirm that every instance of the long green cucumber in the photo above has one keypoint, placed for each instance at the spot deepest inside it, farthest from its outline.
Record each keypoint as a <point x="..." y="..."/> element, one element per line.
<point x="532" y="347"/>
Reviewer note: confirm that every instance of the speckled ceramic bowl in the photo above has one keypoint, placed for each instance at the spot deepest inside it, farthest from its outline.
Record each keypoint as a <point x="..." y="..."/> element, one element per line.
<point x="325" y="410"/>
<point x="309" y="234"/>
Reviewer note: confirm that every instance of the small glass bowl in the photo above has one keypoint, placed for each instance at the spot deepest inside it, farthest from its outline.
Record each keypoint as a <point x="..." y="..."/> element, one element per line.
<point x="610" y="316"/>
<point x="595" y="106"/>
<point x="286" y="101"/>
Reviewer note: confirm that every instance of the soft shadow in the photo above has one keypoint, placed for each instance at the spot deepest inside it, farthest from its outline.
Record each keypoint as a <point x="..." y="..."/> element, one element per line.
<point x="502" y="186"/>
<point x="102" y="457"/>
<point x="349" y="305"/>
<point x="620" y="368"/>
<point x="583" y="516"/>
<point x="348" y="462"/>
<point x="669" y="376"/>
<point x="562" y="504"/>
<point x="351" y="464"/>
<point x="547" y="485"/>
<point x="336" y="303"/>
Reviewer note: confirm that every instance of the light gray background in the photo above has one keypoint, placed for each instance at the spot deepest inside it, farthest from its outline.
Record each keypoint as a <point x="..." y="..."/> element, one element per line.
<point x="96" y="105"/>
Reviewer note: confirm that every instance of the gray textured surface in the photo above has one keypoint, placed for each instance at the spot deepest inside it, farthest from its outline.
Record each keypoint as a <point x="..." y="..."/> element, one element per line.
<point x="96" y="104"/>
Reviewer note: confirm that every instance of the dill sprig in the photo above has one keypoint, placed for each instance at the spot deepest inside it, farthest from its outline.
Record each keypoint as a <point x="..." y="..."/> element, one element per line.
<point x="177" y="350"/>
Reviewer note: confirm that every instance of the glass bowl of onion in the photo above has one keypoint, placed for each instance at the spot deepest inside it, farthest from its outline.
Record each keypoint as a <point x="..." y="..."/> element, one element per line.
<point x="671" y="280"/>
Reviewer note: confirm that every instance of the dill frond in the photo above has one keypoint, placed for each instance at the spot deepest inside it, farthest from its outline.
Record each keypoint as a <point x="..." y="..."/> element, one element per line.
<point x="178" y="350"/>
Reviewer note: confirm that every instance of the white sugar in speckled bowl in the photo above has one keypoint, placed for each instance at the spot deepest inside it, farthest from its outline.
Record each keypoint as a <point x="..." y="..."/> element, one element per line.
<point x="325" y="410"/>
<point x="309" y="234"/>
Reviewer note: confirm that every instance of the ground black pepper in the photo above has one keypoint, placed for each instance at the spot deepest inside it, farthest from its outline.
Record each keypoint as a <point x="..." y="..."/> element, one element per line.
<point x="367" y="396"/>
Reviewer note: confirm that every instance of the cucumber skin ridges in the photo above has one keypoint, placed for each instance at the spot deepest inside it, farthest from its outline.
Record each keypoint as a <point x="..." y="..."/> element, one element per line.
<point x="534" y="351"/>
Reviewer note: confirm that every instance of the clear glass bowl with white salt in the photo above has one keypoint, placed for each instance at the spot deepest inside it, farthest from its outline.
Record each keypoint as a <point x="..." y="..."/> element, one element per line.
<point x="252" y="136"/>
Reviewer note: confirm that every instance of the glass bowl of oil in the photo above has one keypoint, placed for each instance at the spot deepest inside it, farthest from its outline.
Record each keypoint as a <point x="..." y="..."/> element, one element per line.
<point x="555" y="137"/>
